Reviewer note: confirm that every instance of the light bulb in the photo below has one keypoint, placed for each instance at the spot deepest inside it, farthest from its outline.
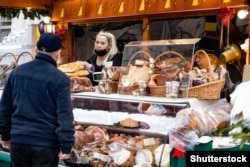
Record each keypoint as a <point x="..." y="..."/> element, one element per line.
<point x="242" y="14"/>
<point x="46" y="19"/>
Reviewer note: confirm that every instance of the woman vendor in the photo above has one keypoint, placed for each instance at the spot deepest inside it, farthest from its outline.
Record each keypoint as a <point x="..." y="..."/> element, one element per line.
<point x="105" y="54"/>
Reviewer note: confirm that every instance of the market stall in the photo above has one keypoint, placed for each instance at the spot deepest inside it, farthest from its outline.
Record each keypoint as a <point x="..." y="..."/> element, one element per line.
<point x="127" y="133"/>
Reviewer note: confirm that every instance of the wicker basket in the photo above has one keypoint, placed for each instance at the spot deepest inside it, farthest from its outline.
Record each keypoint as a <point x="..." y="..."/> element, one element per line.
<point x="128" y="90"/>
<point x="210" y="90"/>
<point x="161" y="90"/>
<point x="157" y="91"/>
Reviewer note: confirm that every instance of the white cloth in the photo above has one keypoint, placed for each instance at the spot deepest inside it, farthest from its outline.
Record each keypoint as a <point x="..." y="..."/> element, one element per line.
<point x="241" y="103"/>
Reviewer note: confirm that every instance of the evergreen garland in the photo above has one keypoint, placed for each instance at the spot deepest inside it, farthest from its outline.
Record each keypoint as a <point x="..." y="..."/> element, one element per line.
<point x="243" y="135"/>
<point x="11" y="13"/>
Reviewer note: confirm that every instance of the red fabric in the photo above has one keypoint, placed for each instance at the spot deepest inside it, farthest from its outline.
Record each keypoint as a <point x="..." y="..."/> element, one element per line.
<point x="177" y="153"/>
<point x="61" y="32"/>
<point x="226" y="15"/>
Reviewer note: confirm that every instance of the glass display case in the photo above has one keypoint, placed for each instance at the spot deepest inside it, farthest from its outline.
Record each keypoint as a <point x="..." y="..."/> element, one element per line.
<point x="162" y="66"/>
<point x="148" y="121"/>
<point x="148" y="117"/>
<point x="184" y="47"/>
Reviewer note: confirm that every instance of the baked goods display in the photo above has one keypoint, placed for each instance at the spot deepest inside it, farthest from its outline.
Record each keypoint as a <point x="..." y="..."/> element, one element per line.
<point x="71" y="67"/>
<point x="168" y="67"/>
<point x="110" y="79"/>
<point x="104" y="144"/>
<point x="191" y="123"/>
<point x="129" y="122"/>
<point x="206" y="79"/>
<point x="107" y="86"/>
<point x="112" y="73"/>
<point x="77" y="72"/>
<point x="81" y="84"/>
<point x="136" y="72"/>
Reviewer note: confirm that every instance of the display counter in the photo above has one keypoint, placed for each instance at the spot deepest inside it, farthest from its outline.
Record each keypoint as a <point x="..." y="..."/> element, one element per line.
<point x="184" y="102"/>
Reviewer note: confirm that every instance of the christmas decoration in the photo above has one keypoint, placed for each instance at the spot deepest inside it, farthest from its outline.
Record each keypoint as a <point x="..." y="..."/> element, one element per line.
<point x="10" y="13"/>
<point x="61" y="32"/>
<point x="226" y="14"/>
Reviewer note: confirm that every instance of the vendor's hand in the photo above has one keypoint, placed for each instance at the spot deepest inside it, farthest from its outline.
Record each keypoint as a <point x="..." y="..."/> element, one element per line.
<point x="86" y="65"/>
<point x="63" y="156"/>
<point x="6" y="144"/>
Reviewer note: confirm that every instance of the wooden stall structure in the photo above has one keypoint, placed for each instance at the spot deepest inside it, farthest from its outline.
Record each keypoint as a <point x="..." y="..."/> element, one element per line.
<point x="66" y="13"/>
<point x="74" y="12"/>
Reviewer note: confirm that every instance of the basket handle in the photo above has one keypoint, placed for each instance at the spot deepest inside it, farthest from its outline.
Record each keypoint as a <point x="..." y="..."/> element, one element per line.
<point x="141" y="51"/>
<point x="170" y="52"/>
<point x="208" y="59"/>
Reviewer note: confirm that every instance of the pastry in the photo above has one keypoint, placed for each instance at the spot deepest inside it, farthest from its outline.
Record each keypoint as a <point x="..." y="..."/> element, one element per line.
<point x="129" y="122"/>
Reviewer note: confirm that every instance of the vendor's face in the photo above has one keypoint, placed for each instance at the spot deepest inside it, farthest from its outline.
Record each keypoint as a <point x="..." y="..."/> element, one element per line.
<point x="101" y="43"/>
<point x="202" y="61"/>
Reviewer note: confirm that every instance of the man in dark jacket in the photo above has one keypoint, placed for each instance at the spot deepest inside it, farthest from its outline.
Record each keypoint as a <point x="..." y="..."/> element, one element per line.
<point x="36" y="119"/>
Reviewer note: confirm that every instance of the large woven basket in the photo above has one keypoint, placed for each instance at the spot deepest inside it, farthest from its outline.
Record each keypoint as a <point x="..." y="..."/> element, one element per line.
<point x="128" y="90"/>
<point x="161" y="90"/>
<point x="157" y="91"/>
<point x="210" y="90"/>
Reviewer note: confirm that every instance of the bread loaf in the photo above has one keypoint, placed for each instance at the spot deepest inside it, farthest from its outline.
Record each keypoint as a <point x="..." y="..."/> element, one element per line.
<point x="129" y="122"/>
<point x="70" y="67"/>
<point x="79" y="73"/>
<point x="81" y="84"/>
<point x="111" y="73"/>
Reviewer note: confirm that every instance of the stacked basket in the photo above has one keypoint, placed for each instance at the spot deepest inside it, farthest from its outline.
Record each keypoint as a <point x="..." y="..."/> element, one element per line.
<point x="210" y="90"/>
<point x="161" y="90"/>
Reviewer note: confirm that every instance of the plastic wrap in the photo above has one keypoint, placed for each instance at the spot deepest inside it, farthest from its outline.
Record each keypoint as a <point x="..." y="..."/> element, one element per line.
<point x="152" y="109"/>
<point x="192" y="123"/>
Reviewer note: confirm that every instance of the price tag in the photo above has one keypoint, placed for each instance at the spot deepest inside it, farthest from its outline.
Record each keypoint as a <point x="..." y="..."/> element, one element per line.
<point x="102" y="157"/>
<point x="149" y="141"/>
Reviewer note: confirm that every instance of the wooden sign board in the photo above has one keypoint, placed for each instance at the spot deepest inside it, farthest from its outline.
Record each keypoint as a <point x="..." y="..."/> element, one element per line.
<point x="103" y="10"/>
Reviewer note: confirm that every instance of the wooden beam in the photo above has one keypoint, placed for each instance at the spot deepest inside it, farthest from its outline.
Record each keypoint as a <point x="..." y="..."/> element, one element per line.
<point x="112" y="10"/>
<point x="35" y="4"/>
<point x="146" y="28"/>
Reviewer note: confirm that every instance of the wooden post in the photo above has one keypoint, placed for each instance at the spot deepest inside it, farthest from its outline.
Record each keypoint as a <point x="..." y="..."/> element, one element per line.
<point x="146" y="34"/>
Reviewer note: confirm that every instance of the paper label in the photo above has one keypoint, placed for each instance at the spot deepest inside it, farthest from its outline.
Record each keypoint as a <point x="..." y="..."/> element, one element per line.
<point x="102" y="157"/>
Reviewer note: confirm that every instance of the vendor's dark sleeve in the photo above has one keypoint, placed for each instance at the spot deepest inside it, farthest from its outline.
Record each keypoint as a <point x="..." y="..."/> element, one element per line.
<point x="117" y="60"/>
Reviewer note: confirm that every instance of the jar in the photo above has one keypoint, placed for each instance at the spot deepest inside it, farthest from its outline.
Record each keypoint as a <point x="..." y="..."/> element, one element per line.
<point x="168" y="88"/>
<point x="175" y="88"/>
